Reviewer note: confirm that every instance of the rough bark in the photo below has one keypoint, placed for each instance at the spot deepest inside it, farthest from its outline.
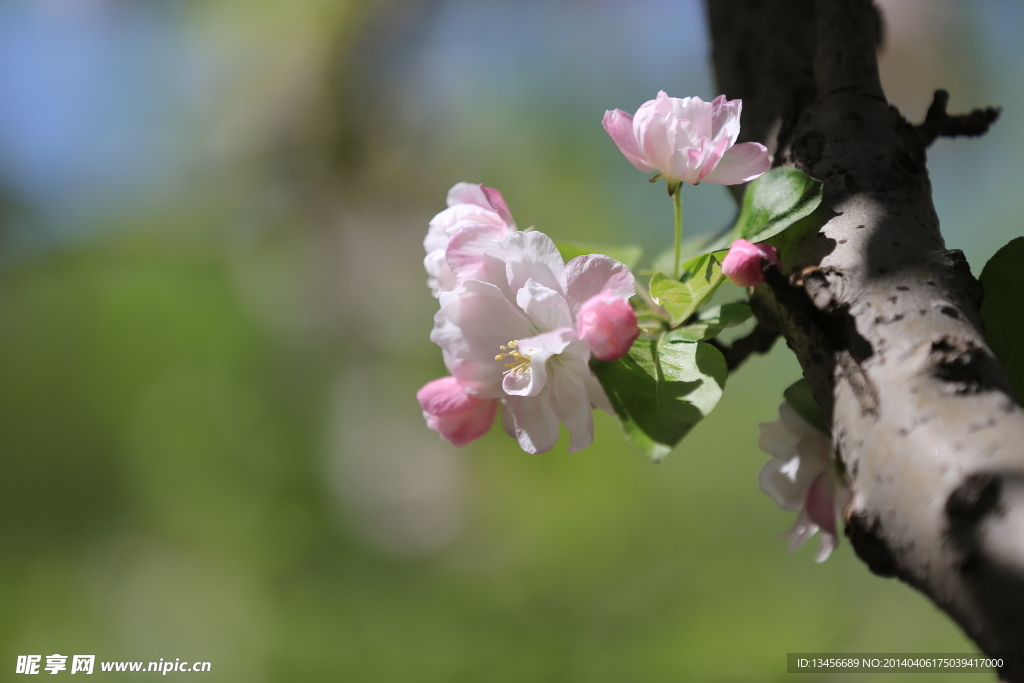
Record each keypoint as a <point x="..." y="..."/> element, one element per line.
<point x="882" y="317"/>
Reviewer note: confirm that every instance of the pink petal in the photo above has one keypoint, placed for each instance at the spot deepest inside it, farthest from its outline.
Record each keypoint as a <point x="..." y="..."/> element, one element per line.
<point x="821" y="503"/>
<point x="497" y="202"/>
<point x="619" y="125"/>
<point x="713" y="158"/>
<point x="740" y="163"/>
<point x="687" y="166"/>
<point x="589" y="275"/>
<point x="608" y="325"/>
<point x="697" y="111"/>
<point x="475" y="253"/>
<point x="742" y="265"/>
<point x="657" y="138"/>
<point x="458" y="417"/>
<point x="725" y="118"/>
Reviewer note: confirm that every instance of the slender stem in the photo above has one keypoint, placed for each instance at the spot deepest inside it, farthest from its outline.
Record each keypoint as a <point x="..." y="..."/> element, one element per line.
<point x="677" y="201"/>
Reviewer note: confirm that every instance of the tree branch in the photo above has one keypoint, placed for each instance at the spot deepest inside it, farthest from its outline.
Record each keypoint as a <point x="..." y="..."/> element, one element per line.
<point x="888" y="331"/>
<point x="937" y="123"/>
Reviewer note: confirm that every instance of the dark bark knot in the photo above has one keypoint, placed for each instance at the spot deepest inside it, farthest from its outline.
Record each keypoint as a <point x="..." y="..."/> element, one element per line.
<point x="963" y="365"/>
<point x="809" y="148"/>
<point x="969" y="503"/>
<point x="865" y="536"/>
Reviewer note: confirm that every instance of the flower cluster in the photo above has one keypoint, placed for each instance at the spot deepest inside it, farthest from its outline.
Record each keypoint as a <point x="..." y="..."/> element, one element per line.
<point x="518" y="326"/>
<point x="802" y="477"/>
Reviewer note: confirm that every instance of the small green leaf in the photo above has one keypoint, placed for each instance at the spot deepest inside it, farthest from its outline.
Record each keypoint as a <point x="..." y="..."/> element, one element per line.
<point x="662" y="388"/>
<point x="799" y="396"/>
<point x="1003" y="310"/>
<point x="701" y="277"/>
<point x="713" y="320"/>
<point x="628" y="254"/>
<point x="772" y="203"/>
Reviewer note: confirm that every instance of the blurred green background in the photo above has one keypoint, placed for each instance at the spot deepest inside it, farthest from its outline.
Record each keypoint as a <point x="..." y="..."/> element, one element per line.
<point x="213" y="322"/>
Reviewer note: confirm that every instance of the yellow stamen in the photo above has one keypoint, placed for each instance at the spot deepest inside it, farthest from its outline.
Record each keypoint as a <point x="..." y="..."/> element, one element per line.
<point x="520" y="363"/>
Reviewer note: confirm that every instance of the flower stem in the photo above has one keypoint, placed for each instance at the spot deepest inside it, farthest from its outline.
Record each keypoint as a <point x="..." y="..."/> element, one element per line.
<point x="677" y="201"/>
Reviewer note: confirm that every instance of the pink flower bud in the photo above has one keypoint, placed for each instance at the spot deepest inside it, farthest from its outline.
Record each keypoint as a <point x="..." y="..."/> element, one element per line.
<point x="607" y="324"/>
<point x="742" y="265"/>
<point x="458" y="417"/>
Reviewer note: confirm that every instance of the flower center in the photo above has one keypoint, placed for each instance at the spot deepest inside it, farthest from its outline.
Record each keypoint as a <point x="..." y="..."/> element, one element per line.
<point x="519" y="363"/>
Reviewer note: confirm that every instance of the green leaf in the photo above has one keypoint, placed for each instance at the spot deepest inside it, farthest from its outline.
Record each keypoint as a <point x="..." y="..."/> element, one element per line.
<point x="713" y="320"/>
<point x="1003" y="310"/>
<point x="662" y="388"/>
<point x="628" y="254"/>
<point x="701" y="277"/>
<point x="772" y="203"/>
<point x="799" y="396"/>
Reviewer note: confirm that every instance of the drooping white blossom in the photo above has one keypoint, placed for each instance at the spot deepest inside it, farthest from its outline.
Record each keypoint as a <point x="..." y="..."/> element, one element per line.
<point x="802" y="477"/>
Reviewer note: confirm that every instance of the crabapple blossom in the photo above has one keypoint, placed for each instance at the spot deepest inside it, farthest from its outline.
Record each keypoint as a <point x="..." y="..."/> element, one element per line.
<point x="742" y="265"/>
<point x="688" y="140"/>
<point x="801" y="476"/>
<point x="481" y="211"/>
<point x="510" y="332"/>
<point x="456" y="415"/>
<point x="608" y="324"/>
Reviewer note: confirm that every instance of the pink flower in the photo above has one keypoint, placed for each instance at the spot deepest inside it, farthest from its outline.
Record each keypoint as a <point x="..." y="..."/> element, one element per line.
<point x="459" y="417"/>
<point x="801" y="476"/>
<point x="742" y="265"/>
<point x="479" y="211"/>
<point x="607" y="323"/>
<point x="688" y="140"/>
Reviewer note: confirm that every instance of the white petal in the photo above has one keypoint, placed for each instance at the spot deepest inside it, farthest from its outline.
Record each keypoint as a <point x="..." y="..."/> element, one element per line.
<point x="595" y="392"/>
<point x="794" y="421"/>
<point x="440" y="277"/>
<point x="538" y="350"/>
<point x="467" y="193"/>
<point x="508" y="420"/>
<point x="800" y="532"/>
<point x="777" y="441"/>
<point x="572" y="405"/>
<point x="781" y="482"/>
<point x="535" y="422"/>
<point x="545" y="307"/>
<point x="482" y="380"/>
<point x="533" y="256"/>
<point x="475" y="320"/>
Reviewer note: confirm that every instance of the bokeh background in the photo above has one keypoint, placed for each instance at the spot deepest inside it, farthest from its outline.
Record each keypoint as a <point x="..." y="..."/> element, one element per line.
<point x="213" y="321"/>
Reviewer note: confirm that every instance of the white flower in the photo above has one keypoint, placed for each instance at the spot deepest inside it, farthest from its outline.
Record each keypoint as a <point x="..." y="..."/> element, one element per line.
<point x="481" y="211"/>
<point x="508" y="331"/>
<point x="801" y="476"/>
